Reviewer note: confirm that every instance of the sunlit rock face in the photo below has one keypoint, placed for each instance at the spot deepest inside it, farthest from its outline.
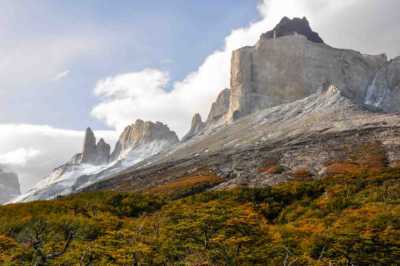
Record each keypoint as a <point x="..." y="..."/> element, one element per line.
<point x="220" y="107"/>
<point x="289" y="66"/>
<point x="141" y="133"/>
<point x="9" y="186"/>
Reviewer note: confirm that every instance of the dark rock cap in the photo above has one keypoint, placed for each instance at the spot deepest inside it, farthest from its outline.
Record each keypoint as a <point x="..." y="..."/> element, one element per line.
<point x="289" y="26"/>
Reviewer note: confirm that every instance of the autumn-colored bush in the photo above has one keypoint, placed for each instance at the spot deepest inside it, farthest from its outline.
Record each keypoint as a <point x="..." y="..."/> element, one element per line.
<point x="344" y="168"/>
<point x="194" y="182"/>
<point x="302" y="173"/>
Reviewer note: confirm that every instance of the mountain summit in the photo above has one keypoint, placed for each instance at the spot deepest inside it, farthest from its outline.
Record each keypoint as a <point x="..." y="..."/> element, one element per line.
<point x="289" y="26"/>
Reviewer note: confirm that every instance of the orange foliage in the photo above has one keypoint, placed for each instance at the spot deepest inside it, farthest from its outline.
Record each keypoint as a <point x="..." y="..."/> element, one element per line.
<point x="186" y="182"/>
<point x="302" y="174"/>
<point x="344" y="168"/>
<point x="271" y="169"/>
<point x="369" y="157"/>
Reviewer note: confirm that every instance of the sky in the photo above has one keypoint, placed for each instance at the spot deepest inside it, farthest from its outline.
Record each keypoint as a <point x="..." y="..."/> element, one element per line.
<point x="67" y="65"/>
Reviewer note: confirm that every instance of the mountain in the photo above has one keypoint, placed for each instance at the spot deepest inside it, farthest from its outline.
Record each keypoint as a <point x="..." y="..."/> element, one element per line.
<point x="136" y="143"/>
<point x="311" y="134"/>
<point x="9" y="185"/>
<point x="295" y="104"/>
<point x="141" y="135"/>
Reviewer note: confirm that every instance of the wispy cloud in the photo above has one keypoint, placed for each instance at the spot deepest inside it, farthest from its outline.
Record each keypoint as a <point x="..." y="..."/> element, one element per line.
<point x="19" y="156"/>
<point x="61" y="75"/>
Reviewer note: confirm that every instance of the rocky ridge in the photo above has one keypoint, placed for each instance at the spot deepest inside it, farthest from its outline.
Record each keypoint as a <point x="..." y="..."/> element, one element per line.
<point x="9" y="185"/>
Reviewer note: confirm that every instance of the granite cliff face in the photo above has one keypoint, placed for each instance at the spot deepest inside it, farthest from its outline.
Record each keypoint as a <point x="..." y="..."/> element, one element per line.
<point x="384" y="91"/>
<point x="220" y="107"/>
<point x="143" y="134"/>
<point x="9" y="186"/>
<point x="289" y="67"/>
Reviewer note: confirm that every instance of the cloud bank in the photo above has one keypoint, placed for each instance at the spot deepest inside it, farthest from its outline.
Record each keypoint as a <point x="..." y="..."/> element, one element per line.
<point x="19" y="157"/>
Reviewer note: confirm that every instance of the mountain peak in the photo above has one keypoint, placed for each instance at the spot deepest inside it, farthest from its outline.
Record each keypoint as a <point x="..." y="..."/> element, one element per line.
<point x="196" y="126"/>
<point x="142" y="133"/>
<point x="289" y="26"/>
<point x="94" y="153"/>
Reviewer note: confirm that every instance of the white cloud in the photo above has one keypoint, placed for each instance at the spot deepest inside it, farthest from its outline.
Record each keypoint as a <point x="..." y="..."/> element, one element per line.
<point x="33" y="151"/>
<point x="126" y="97"/>
<point x="22" y="63"/>
<point x="61" y="75"/>
<point x="19" y="157"/>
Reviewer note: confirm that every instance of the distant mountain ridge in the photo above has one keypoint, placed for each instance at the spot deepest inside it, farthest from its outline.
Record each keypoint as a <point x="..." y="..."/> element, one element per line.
<point x="9" y="185"/>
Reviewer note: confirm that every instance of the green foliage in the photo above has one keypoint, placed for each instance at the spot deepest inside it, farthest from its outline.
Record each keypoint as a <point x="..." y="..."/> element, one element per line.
<point x="340" y="220"/>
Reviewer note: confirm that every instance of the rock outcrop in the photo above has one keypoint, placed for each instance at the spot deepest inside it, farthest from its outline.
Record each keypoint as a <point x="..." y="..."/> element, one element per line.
<point x="220" y="107"/>
<point x="93" y="153"/>
<point x="293" y="26"/>
<point x="9" y="186"/>
<point x="141" y="133"/>
<point x="196" y="127"/>
<point x="290" y="67"/>
<point x="384" y="91"/>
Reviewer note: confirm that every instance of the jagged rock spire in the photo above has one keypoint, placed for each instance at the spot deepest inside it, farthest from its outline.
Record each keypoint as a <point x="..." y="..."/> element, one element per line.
<point x="89" y="152"/>
<point x="220" y="107"/>
<point x="94" y="153"/>
<point x="195" y="128"/>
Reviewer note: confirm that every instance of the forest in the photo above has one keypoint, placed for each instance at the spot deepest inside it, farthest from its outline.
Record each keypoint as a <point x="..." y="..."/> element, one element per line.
<point x="351" y="217"/>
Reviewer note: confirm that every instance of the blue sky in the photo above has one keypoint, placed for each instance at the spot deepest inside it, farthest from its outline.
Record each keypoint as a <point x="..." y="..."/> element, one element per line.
<point x="173" y="35"/>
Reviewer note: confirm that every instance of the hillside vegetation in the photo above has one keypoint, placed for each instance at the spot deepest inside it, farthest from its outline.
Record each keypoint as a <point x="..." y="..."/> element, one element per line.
<point x="349" y="218"/>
